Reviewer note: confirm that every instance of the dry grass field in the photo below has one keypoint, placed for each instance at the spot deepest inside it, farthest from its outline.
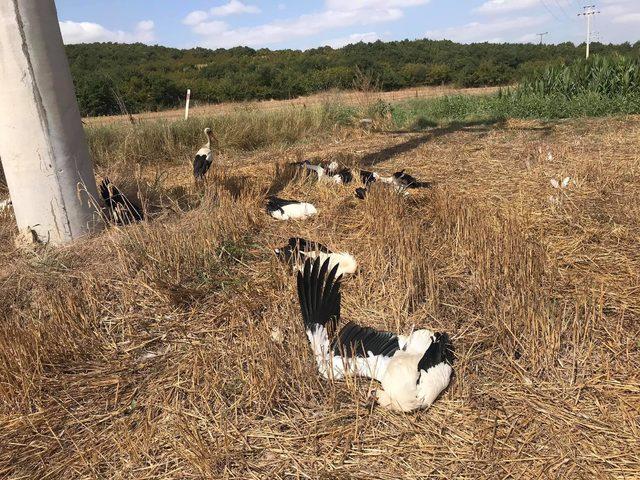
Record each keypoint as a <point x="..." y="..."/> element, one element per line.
<point x="149" y="352"/>
<point x="342" y="97"/>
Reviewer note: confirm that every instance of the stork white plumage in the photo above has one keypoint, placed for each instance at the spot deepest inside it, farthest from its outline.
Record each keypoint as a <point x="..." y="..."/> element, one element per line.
<point x="298" y="250"/>
<point x="403" y="181"/>
<point x="282" y="209"/>
<point x="204" y="157"/>
<point x="329" y="173"/>
<point x="413" y="369"/>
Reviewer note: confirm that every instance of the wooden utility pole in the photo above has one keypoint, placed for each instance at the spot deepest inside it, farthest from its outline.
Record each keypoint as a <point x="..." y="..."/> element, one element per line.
<point x="186" y="105"/>
<point x="42" y="143"/>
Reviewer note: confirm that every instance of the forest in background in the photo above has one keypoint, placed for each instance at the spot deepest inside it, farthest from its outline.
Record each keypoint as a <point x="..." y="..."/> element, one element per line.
<point x="111" y="78"/>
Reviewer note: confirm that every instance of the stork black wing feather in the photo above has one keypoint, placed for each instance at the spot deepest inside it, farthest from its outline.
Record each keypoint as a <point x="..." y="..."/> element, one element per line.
<point x="410" y="181"/>
<point x="319" y="294"/>
<point x="345" y="175"/>
<point x="367" y="177"/>
<point x="122" y="209"/>
<point x="303" y="245"/>
<point x="440" y="350"/>
<point x="275" y="203"/>
<point x="200" y="166"/>
<point x="356" y="341"/>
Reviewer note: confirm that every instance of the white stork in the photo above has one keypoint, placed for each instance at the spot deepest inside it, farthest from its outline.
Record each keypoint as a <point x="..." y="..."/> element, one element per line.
<point x="403" y="181"/>
<point x="282" y="209"/>
<point x="412" y="369"/>
<point x="298" y="250"/>
<point x="204" y="157"/>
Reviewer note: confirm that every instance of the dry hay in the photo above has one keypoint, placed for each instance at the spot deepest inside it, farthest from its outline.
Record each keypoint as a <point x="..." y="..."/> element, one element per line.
<point x="148" y="352"/>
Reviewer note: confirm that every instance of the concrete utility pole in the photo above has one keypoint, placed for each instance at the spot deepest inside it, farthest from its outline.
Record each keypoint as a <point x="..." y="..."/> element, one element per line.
<point x="42" y="144"/>
<point x="589" y="11"/>
<point x="542" y="35"/>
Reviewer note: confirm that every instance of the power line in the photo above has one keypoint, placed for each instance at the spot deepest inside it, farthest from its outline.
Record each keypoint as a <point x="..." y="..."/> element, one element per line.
<point x="542" y="35"/>
<point x="544" y="3"/>
<point x="559" y="4"/>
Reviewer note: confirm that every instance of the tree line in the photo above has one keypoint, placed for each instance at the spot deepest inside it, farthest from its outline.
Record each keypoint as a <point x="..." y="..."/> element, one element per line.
<point x="110" y="78"/>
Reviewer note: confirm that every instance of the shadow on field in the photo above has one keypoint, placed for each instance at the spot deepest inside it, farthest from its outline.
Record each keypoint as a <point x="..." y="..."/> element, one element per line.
<point x="283" y="175"/>
<point x="388" y="153"/>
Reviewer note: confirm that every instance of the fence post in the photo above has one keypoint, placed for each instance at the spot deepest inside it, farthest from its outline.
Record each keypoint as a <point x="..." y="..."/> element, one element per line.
<point x="186" y="108"/>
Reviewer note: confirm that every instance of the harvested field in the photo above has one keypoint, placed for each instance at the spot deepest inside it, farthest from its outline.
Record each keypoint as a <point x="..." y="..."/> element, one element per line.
<point x="149" y="351"/>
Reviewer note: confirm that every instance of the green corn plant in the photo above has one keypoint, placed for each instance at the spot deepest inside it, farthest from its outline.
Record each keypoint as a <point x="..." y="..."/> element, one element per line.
<point x="603" y="75"/>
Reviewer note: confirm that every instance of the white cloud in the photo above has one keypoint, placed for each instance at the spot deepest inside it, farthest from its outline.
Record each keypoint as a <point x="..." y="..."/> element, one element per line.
<point x="627" y="18"/>
<point x="368" y="37"/>
<point x="375" y="4"/>
<point x="194" y="18"/>
<point x="211" y="28"/>
<point x="88" y="32"/>
<point x="336" y="14"/>
<point x="504" y="6"/>
<point x="500" y="30"/>
<point x="234" y="7"/>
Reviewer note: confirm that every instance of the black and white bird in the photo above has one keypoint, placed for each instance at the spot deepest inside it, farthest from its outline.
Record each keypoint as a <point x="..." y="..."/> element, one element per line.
<point x="405" y="181"/>
<point x="298" y="250"/>
<point x="282" y="209"/>
<point x="412" y="369"/>
<point x="204" y="157"/>
<point x="120" y="210"/>
<point x="330" y="172"/>
<point x="367" y="177"/>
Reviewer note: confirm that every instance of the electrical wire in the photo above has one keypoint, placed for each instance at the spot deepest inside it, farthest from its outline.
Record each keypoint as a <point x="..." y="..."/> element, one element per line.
<point x="550" y="11"/>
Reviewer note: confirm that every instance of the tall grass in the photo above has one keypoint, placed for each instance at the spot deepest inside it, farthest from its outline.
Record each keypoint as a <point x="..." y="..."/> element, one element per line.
<point x="244" y="130"/>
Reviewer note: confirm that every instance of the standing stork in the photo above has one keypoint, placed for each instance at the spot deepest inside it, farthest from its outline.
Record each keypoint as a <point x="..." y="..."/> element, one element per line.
<point x="204" y="157"/>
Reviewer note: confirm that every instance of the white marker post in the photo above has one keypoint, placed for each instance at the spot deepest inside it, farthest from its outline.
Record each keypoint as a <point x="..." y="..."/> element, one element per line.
<point x="42" y="144"/>
<point x="186" y="108"/>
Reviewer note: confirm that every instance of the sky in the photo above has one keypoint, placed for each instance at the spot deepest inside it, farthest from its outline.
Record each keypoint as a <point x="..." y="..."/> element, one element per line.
<point x="303" y="24"/>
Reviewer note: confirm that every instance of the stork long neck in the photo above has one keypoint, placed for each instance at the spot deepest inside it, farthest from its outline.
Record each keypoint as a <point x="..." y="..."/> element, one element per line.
<point x="208" y="144"/>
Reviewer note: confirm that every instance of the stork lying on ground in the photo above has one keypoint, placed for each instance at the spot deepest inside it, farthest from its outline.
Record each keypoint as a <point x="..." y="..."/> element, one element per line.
<point x="413" y="369"/>
<point x="367" y="177"/>
<point x="204" y="158"/>
<point x="329" y="173"/>
<point x="120" y="210"/>
<point x="298" y="250"/>
<point x="403" y="180"/>
<point x="282" y="209"/>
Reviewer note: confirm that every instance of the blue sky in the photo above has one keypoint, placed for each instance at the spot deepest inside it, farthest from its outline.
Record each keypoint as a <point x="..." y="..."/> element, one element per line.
<point x="280" y="24"/>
